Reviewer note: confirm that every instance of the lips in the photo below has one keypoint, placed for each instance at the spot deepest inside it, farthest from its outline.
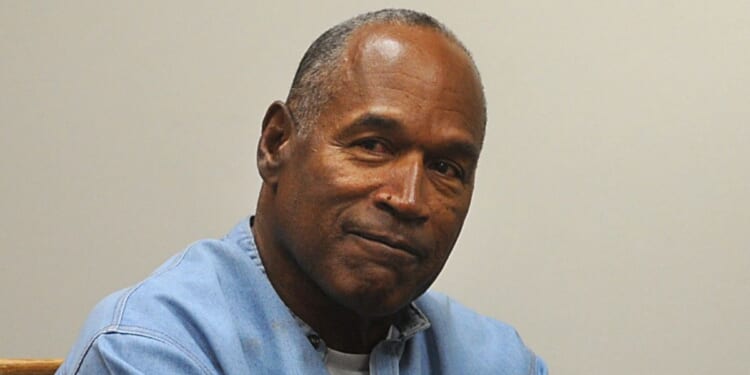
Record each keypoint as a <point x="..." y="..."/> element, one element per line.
<point x="393" y="241"/>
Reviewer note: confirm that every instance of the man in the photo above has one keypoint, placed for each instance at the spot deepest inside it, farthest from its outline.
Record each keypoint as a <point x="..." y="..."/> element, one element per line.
<point x="368" y="173"/>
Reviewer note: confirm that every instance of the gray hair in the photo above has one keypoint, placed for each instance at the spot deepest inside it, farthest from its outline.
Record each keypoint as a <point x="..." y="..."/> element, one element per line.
<point x="315" y="80"/>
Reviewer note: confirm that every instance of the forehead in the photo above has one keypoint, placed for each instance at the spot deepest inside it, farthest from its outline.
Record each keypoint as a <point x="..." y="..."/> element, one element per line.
<point x="387" y="45"/>
<point x="411" y="69"/>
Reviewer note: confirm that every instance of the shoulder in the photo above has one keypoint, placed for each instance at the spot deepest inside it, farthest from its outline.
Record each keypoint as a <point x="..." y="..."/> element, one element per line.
<point x="166" y="312"/>
<point x="189" y="282"/>
<point x="446" y="313"/>
<point x="489" y="346"/>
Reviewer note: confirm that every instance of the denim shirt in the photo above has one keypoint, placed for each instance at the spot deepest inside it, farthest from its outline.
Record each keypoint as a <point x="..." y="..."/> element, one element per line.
<point x="211" y="310"/>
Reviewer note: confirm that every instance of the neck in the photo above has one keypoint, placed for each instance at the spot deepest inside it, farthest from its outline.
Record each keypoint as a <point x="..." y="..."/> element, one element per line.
<point x="341" y="328"/>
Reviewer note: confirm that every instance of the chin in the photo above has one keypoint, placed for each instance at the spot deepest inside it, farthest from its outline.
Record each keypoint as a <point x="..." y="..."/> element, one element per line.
<point x="373" y="300"/>
<point x="376" y="309"/>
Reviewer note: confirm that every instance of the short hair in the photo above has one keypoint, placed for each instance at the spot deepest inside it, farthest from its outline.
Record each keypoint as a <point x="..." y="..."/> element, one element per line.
<point x="315" y="80"/>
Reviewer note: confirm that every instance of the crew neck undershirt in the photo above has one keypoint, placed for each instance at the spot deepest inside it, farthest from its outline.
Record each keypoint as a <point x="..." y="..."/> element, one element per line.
<point x="340" y="363"/>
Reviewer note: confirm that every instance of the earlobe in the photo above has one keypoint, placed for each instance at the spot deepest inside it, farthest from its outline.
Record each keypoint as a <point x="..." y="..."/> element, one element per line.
<point x="277" y="130"/>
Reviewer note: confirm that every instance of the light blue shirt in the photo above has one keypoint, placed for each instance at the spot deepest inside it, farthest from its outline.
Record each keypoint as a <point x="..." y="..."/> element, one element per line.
<point x="211" y="310"/>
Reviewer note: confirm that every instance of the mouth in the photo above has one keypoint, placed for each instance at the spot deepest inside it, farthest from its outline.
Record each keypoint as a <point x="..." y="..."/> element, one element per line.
<point x="394" y="242"/>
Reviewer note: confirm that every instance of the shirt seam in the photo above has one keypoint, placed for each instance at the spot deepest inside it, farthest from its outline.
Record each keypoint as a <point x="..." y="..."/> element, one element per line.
<point x="141" y="332"/>
<point x="120" y="309"/>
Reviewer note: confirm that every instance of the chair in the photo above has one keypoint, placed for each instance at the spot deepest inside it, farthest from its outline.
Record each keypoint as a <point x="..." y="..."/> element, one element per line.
<point x="29" y="366"/>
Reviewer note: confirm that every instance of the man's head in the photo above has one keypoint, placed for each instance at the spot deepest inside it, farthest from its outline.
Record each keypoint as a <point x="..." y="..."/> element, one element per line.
<point x="367" y="201"/>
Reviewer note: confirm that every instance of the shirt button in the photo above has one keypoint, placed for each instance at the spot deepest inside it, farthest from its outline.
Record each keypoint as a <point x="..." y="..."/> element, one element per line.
<point x="314" y="340"/>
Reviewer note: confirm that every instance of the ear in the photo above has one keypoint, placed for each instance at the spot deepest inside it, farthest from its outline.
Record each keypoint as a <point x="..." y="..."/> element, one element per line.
<point x="273" y="150"/>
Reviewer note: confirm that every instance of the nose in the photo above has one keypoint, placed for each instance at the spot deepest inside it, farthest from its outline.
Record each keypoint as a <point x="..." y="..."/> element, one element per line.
<point x="402" y="191"/>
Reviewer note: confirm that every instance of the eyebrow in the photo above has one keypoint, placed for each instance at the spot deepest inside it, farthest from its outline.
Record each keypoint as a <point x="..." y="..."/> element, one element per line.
<point x="374" y="121"/>
<point x="465" y="149"/>
<point x="371" y="120"/>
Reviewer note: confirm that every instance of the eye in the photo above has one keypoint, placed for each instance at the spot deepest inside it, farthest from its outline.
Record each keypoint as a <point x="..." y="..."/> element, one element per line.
<point x="447" y="169"/>
<point x="373" y="145"/>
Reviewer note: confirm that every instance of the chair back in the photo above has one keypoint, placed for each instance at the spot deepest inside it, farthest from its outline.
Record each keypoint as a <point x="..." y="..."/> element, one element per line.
<point x="29" y="366"/>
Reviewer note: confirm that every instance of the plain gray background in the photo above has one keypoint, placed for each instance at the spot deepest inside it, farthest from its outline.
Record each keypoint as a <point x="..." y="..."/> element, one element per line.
<point x="611" y="214"/>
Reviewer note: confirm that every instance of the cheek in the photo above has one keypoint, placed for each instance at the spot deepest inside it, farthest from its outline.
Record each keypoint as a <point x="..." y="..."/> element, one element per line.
<point x="322" y="188"/>
<point x="449" y="212"/>
<point x="336" y="179"/>
<point x="447" y="220"/>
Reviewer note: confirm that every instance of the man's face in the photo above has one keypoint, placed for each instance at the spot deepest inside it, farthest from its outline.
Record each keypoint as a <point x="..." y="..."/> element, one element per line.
<point x="373" y="197"/>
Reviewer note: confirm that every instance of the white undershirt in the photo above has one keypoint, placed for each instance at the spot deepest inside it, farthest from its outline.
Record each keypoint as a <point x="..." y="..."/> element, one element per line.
<point x="340" y="363"/>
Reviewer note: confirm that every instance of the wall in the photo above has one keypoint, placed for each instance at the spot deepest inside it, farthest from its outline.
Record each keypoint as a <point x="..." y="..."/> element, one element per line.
<point x="610" y="220"/>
